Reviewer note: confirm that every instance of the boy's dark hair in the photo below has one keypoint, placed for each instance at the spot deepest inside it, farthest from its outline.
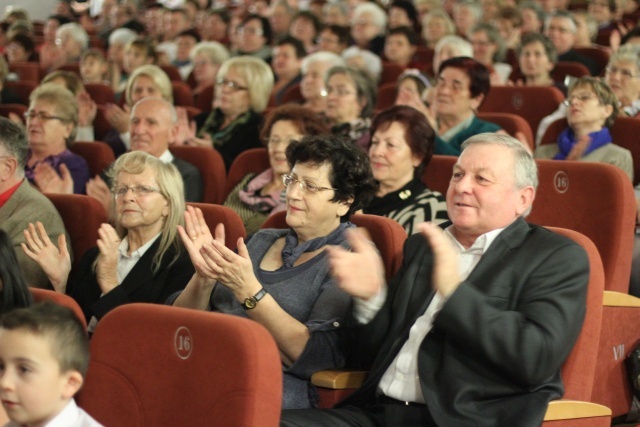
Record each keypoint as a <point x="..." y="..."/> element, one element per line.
<point x="93" y="53"/>
<point x="408" y="32"/>
<point x="60" y="326"/>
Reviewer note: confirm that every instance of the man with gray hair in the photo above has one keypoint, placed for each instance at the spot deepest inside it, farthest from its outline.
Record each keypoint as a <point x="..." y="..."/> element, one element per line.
<point x="561" y="29"/>
<point x="21" y="204"/>
<point x="153" y="126"/>
<point x="474" y="328"/>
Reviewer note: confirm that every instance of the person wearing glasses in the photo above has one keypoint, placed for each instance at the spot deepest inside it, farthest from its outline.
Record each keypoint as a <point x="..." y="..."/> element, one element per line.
<point x="623" y="77"/>
<point x="592" y="107"/>
<point x="351" y="97"/>
<point x="461" y="87"/>
<point x="242" y="91"/>
<point x="254" y="38"/>
<point x="141" y="259"/>
<point x="52" y="120"/>
<point x="281" y="277"/>
<point x="257" y="196"/>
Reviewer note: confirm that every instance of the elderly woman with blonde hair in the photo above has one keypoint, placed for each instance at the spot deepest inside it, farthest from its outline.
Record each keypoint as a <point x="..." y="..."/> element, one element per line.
<point x="242" y="91"/>
<point x="141" y="259"/>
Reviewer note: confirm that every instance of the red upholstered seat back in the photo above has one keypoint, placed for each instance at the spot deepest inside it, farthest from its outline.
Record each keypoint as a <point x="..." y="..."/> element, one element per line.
<point x="155" y="365"/>
<point x="596" y="200"/>
<point x="254" y="160"/>
<point x="82" y="216"/>
<point x="216" y="214"/>
<point x="211" y="166"/>
<point x="40" y="295"/>
<point x="578" y="371"/>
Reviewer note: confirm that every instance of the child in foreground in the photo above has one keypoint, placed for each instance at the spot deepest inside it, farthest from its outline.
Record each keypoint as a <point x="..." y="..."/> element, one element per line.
<point x="44" y="355"/>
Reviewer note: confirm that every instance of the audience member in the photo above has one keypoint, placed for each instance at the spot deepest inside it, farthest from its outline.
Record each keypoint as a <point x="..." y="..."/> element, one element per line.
<point x="257" y="196"/>
<point x="241" y="95"/>
<point x="513" y="292"/>
<point x="141" y="259"/>
<point x="48" y="51"/>
<point x="509" y="24"/>
<point x="7" y="95"/>
<point x="561" y="30"/>
<point x="185" y="41"/>
<point x="401" y="147"/>
<point x="94" y="67"/>
<point x="21" y="204"/>
<point x="351" y="97"/>
<point x="533" y="17"/>
<point x="364" y="61"/>
<point x="461" y="87"/>
<point x="334" y="38"/>
<point x="44" y="353"/>
<point x="52" y="119"/>
<point x="117" y="42"/>
<point x="489" y="50"/>
<point x="218" y="26"/>
<point x="207" y="57"/>
<point x="153" y="125"/>
<point x="71" y="40"/>
<point x="281" y="278"/>
<point x="402" y="13"/>
<point x="20" y="48"/>
<point x="592" y="109"/>
<point x="314" y="76"/>
<point x="537" y="57"/>
<point x="254" y="38"/>
<point x="400" y="46"/>
<point x="436" y="25"/>
<point x="305" y="26"/>
<point x="368" y="25"/>
<point x="466" y="15"/>
<point x="335" y="13"/>
<point x="286" y="64"/>
<point x="280" y="18"/>
<point x="450" y="47"/>
<point x="586" y="28"/>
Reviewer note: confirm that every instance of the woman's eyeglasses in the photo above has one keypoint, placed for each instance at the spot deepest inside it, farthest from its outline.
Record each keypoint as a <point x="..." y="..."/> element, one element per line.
<point x="42" y="116"/>
<point x="305" y="186"/>
<point x="136" y="190"/>
<point x="231" y="85"/>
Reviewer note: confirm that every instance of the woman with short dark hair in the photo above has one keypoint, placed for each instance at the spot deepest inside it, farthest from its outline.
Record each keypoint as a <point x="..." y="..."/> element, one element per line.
<point x="281" y="277"/>
<point x="401" y="147"/>
<point x="461" y="87"/>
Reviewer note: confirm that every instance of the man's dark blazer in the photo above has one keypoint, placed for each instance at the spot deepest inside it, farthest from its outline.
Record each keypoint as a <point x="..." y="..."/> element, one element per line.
<point x="140" y="285"/>
<point x="494" y="354"/>
<point x="573" y="56"/>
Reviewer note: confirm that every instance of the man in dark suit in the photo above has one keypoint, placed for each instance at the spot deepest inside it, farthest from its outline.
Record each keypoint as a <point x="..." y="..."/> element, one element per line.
<point x="561" y="29"/>
<point x="153" y="125"/>
<point x="474" y="328"/>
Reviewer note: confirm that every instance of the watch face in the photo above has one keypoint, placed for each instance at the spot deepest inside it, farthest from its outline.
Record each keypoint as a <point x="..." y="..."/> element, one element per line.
<point x="250" y="303"/>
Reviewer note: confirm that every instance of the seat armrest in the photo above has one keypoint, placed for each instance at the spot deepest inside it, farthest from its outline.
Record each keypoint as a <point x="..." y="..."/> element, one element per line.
<point x="337" y="379"/>
<point x="618" y="299"/>
<point x="572" y="409"/>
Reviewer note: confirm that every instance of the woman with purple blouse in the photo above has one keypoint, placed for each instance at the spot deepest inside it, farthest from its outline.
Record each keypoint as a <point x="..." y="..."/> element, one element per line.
<point x="52" y="120"/>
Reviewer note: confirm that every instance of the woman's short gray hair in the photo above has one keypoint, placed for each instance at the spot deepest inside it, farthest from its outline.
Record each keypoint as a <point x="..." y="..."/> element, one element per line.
<point x="63" y="101"/>
<point x="258" y="76"/>
<point x="76" y="32"/>
<point x="122" y="36"/>
<point x="371" y="63"/>
<point x="333" y="59"/>
<point x="365" y="88"/>
<point x="216" y="52"/>
<point x="494" y="37"/>
<point x="378" y="16"/>
<point x="627" y="53"/>
<point x="450" y="27"/>
<point x="460" y="45"/>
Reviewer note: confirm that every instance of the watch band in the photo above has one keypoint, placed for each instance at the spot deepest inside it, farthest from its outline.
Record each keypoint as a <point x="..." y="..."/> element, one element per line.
<point x="251" y="302"/>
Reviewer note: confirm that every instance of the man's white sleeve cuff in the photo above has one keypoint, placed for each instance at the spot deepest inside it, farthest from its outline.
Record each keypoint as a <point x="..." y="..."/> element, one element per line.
<point x="365" y="310"/>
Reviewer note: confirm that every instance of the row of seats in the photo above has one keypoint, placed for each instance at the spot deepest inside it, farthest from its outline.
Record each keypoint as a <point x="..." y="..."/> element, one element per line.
<point x="594" y="199"/>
